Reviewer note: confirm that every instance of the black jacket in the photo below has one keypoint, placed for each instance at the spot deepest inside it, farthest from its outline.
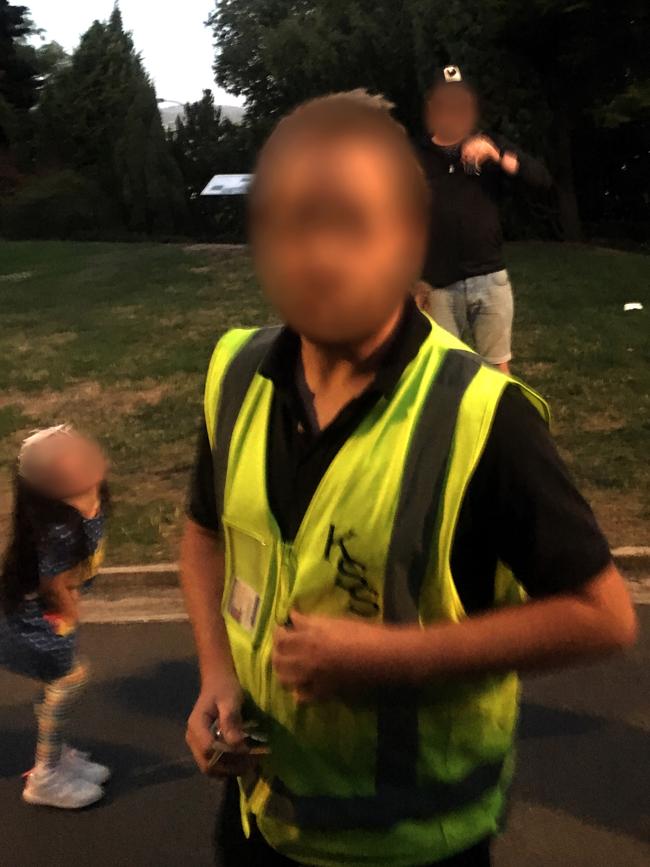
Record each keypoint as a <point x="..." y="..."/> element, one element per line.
<point x="465" y="236"/>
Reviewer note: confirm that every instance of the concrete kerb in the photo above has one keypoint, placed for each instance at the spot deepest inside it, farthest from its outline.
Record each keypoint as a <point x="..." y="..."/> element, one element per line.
<point x="633" y="560"/>
<point x="150" y="594"/>
<point x="135" y="578"/>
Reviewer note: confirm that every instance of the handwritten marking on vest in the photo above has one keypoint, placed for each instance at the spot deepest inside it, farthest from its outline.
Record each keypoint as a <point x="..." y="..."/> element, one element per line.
<point x="351" y="574"/>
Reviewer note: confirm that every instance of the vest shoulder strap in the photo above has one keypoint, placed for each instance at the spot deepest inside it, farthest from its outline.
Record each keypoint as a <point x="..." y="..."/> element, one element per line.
<point x="234" y="363"/>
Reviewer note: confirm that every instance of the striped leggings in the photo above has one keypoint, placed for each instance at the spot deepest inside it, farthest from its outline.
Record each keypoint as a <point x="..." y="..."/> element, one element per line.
<point x="53" y="713"/>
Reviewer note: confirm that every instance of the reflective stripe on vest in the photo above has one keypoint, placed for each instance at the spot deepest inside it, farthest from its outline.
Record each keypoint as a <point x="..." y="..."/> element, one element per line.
<point x="390" y="805"/>
<point x="414" y="528"/>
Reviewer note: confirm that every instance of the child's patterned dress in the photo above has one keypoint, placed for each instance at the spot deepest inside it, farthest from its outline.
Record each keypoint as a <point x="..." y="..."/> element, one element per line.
<point x="33" y="640"/>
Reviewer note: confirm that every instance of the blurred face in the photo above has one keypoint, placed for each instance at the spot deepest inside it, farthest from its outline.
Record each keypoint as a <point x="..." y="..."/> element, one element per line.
<point x="336" y="245"/>
<point x="451" y="113"/>
<point x="74" y="466"/>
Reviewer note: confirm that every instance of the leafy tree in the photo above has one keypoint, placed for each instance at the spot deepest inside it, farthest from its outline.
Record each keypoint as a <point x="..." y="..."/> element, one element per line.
<point x="279" y="53"/>
<point x="51" y="58"/>
<point x="557" y="74"/>
<point x="205" y="143"/>
<point x="151" y="181"/>
<point x="19" y="78"/>
<point x="58" y="205"/>
<point x="19" y="71"/>
<point x="98" y="115"/>
<point x="590" y="63"/>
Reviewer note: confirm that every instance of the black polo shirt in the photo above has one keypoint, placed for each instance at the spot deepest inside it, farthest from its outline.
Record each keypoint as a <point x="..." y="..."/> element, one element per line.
<point x="465" y="237"/>
<point x="521" y="506"/>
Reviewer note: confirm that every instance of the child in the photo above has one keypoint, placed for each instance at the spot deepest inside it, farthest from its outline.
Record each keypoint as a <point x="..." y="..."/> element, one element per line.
<point x="61" y="499"/>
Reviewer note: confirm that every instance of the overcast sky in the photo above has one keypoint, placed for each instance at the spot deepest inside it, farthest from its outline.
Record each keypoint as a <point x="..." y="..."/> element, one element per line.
<point x="175" y="45"/>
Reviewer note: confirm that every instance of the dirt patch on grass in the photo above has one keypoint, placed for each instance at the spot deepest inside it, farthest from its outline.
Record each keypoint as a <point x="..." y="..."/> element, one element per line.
<point x="603" y="422"/>
<point x="61" y="338"/>
<point x="142" y="488"/>
<point x="621" y="515"/>
<point x="566" y="422"/>
<point x="214" y="248"/>
<point x="21" y="344"/>
<point x="122" y="400"/>
<point x="173" y="320"/>
<point x="536" y="368"/>
<point x="128" y="311"/>
<point x="16" y="277"/>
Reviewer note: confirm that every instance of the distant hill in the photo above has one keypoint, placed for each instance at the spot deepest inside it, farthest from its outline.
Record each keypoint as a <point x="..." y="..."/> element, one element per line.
<point x="169" y="114"/>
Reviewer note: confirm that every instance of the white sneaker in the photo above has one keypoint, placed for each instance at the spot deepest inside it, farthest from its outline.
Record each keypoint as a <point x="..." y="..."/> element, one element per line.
<point x="77" y="764"/>
<point x="53" y="787"/>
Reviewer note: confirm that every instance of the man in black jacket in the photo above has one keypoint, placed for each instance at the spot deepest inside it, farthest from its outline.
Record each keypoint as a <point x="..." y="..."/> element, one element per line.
<point x="466" y="286"/>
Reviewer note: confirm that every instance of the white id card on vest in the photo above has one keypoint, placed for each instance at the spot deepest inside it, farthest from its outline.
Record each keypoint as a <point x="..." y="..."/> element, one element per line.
<point x="244" y="605"/>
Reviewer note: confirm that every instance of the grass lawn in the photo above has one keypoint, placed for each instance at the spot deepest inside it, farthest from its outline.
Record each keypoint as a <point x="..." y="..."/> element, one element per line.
<point x="116" y="337"/>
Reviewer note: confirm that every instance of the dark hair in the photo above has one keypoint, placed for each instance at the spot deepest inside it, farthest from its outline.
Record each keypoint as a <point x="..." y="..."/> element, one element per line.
<point x="339" y="115"/>
<point x="32" y="515"/>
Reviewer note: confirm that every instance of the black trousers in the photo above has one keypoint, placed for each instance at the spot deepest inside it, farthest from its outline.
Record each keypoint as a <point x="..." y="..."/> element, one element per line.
<point x="232" y="849"/>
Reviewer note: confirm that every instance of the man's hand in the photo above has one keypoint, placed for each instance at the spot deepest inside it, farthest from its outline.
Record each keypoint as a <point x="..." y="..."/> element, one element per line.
<point x="317" y="657"/>
<point x="478" y="150"/>
<point x="222" y="702"/>
<point x="202" y="570"/>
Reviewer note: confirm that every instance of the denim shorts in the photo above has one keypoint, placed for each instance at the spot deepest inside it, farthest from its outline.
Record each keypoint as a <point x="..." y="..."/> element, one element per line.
<point x="480" y="308"/>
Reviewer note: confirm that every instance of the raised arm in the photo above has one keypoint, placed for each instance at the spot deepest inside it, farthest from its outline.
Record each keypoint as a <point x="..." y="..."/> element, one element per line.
<point x="483" y="149"/>
<point x="515" y="162"/>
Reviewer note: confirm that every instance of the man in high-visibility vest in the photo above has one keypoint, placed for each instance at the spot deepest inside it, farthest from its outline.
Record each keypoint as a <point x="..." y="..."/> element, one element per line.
<point x="369" y="503"/>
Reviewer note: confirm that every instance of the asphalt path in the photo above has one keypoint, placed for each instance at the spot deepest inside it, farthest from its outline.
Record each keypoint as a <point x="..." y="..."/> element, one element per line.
<point x="581" y="797"/>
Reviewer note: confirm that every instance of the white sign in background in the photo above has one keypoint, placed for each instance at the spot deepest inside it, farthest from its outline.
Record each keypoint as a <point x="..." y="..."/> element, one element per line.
<point x="228" y="185"/>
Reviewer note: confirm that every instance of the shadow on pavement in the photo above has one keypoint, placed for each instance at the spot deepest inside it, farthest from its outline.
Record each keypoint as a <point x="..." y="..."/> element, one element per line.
<point x="541" y="721"/>
<point x="133" y="768"/>
<point x="167" y="689"/>
<point x="17" y="754"/>
<point x="141" y="770"/>
<point x="593" y="768"/>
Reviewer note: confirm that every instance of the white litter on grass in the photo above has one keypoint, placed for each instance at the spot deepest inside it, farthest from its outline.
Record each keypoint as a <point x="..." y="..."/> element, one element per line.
<point x="633" y="305"/>
<point x="16" y="277"/>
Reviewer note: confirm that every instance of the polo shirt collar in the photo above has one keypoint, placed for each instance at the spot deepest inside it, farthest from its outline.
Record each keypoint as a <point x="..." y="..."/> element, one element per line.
<point x="282" y="357"/>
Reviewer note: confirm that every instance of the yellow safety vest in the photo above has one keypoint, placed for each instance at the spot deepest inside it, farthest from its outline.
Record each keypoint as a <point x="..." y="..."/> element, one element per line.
<point x="407" y="776"/>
